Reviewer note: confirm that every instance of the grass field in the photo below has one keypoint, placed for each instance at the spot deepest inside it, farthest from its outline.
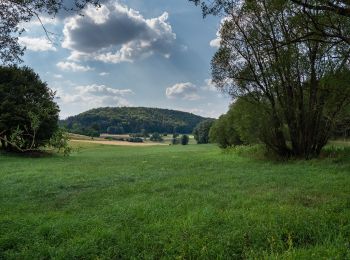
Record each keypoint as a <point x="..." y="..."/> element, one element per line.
<point x="173" y="202"/>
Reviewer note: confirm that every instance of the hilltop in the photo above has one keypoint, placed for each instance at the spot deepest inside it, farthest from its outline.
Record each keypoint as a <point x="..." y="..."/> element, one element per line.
<point x="120" y="120"/>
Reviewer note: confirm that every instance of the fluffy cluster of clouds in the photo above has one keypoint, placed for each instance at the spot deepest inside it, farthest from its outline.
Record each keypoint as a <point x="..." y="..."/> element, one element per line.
<point x="186" y="91"/>
<point x="215" y="43"/>
<point x="94" y="96"/>
<point x="72" y="66"/>
<point x="189" y="91"/>
<point x="36" y="44"/>
<point x="114" y="33"/>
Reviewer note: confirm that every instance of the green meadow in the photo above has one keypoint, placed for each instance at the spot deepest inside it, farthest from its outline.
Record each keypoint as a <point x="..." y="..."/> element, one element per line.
<point x="174" y="202"/>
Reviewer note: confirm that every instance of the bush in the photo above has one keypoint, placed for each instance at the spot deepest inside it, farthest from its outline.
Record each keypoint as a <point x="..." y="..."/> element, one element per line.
<point x="184" y="139"/>
<point x="28" y="114"/>
<point x="201" y="131"/>
<point x="174" y="141"/>
<point x="135" y="140"/>
<point x="60" y="141"/>
<point x="224" y="133"/>
<point x="156" y="137"/>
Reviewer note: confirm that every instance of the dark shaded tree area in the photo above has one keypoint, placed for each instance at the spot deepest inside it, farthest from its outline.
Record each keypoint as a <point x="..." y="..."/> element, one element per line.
<point x="201" y="131"/>
<point x="120" y="120"/>
<point x="292" y="61"/>
<point x="28" y="113"/>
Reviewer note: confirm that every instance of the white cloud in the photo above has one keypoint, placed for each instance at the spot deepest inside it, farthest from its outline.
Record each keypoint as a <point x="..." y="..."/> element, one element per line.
<point x="209" y="85"/>
<point x="92" y="96"/>
<point x="102" y="90"/>
<point x="36" y="44"/>
<point x="73" y="66"/>
<point x="103" y="74"/>
<point x="186" y="91"/>
<point x="57" y="76"/>
<point x="115" y="33"/>
<point x="215" y="43"/>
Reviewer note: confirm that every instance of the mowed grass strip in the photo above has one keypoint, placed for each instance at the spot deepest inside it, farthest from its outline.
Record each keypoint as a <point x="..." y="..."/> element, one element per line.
<point x="181" y="202"/>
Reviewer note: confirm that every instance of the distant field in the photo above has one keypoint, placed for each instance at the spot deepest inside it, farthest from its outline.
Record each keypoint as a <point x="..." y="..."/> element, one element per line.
<point x="102" y="139"/>
<point x="173" y="202"/>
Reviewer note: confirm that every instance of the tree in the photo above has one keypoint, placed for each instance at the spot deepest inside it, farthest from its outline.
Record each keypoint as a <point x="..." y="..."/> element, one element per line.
<point x="13" y="13"/>
<point x="28" y="113"/>
<point x="184" y="139"/>
<point x="201" y="131"/>
<point x="274" y="53"/>
<point x="156" y="137"/>
<point x="223" y="131"/>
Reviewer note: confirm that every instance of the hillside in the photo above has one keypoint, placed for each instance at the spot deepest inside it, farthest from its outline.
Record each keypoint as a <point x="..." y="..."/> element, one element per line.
<point x="120" y="120"/>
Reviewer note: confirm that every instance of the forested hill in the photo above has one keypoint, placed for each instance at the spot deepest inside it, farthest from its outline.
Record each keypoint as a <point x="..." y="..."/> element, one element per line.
<point x="120" y="120"/>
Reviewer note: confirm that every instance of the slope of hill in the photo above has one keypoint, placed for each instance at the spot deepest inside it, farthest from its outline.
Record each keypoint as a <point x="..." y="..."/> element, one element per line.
<point x="119" y="120"/>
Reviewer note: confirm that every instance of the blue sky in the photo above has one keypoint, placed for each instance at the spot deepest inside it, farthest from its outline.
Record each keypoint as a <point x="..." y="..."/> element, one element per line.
<point x="153" y="53"/>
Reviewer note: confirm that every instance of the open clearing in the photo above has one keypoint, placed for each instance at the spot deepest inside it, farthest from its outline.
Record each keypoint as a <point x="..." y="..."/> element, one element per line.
<point x="120" y="143"/>
<point x="182" y="202"/>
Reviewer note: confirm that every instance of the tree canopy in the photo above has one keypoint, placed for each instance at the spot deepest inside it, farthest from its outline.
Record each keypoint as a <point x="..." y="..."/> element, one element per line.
<point x="121" y="120"/>
<point x="292" y="65"/>
<point x="28" y="113"/>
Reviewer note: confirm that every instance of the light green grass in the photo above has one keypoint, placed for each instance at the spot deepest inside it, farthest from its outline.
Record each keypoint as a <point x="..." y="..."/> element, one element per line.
<point x="182" y="202"/>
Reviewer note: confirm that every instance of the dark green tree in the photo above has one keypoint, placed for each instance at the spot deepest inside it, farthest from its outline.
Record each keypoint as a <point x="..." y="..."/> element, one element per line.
<point x="185" y="139"/>
<point x="156" y="137"/>
<point x="201" y="131"/>
<point x="223" y="131"/>
<point x="28" y="113"/>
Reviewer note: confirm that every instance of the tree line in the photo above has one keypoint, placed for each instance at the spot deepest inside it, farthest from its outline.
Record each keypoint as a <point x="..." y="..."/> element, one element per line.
<point x="125" y="120"/>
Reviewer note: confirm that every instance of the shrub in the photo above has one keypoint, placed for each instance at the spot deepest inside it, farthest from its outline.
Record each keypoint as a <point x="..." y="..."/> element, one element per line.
<point x="224" y="133"/>
<point x="135" y="140"/>
<point x="174" y="141"/>
<point x="201" y="131"/>
<point x="184" y="139"/>
<point x="156" y="137"/>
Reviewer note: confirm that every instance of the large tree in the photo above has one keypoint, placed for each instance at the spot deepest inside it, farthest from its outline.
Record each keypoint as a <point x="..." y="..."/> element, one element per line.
<point x="28" y="113"/>
<point x="14" y="13"/>
<point x="298" y="72"/>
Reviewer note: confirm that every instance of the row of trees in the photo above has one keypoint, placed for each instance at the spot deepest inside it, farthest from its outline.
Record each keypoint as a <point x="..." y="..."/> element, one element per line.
<point x="290" y="61"/>
<point x="121" y="120"/>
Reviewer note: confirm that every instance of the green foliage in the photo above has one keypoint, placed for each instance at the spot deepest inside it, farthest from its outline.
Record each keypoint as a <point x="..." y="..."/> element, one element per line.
<point x="156" y="137"/>
<point x="178" y="202"/>
<point x="269" y="50"/>
<point x="201" y="131"/>
<point x="135" y="139"/>
<point x="185" y="139"/>
<point x="119" y="120"/>
<point x="175" y="141"/>
<point x="60" y="141"/>
<point x="28" y="113"/>
<point x="113" y="130"/>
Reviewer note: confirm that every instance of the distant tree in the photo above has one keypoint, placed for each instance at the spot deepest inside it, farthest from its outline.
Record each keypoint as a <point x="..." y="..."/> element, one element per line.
<point x="28" y="113"/>
<point x="156" y="137"/>
<point x="174" y="140"/>
<point x="201" y="131"/>
<point x="114" y="130"/>
<point x="144" y="133"/>
<point x="223" y="132"/>
<point x="184" y="139"/>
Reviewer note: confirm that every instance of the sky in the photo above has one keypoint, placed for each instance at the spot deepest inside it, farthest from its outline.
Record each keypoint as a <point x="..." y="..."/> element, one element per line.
<point x="153" y="53"/>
